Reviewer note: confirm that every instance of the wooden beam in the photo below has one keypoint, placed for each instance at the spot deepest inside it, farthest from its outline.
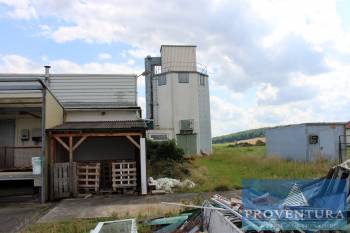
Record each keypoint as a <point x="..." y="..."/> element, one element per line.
<point x="81" y="140"/>
<point x="61" y="142"/>
<point x="70" y="149"/>
<point x="96" y="134"/>
<point x="133" y="141"/>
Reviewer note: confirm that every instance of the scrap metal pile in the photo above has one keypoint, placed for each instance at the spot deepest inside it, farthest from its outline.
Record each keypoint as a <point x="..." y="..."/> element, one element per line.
<point x="222" y="215"/>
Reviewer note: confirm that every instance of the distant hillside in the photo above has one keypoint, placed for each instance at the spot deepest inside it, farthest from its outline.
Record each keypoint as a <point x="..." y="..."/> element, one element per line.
<point x="243" y="135"/>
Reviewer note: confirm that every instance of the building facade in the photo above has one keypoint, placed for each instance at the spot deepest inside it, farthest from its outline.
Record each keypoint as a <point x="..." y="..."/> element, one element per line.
<point x="177" y="99"/>
<point x="306" y="142"/>
<point x="86" y="129"/>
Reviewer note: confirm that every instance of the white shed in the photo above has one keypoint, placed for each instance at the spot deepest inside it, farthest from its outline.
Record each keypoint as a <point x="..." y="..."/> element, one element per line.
<point x="306" y="142"/>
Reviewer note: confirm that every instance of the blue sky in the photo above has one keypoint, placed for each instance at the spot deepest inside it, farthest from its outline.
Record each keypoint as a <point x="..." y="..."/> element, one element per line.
<point x="270" y="62"/>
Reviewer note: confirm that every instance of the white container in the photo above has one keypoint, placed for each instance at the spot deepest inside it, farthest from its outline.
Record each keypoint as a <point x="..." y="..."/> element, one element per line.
<point x="36" y="164"/>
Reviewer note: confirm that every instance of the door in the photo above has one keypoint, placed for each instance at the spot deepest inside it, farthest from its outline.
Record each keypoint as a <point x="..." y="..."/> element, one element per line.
<point x="7" y="139"/>
<point x="328" y="144"/>
<point x="188" y="142"/>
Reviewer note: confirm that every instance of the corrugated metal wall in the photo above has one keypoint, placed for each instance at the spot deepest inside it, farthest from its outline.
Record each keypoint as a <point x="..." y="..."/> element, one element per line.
<point x="178" y="58"/>
<point x="292" y="142"/>
<point x="120" y="89"/>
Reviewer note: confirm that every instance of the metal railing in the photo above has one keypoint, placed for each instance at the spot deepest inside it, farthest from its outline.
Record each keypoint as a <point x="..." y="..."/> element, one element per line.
<point x="18" y="157"/>
<point x="180" y="66"/>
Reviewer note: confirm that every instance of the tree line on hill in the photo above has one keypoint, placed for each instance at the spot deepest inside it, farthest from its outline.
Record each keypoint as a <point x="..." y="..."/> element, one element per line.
<point x="243" y="135"/>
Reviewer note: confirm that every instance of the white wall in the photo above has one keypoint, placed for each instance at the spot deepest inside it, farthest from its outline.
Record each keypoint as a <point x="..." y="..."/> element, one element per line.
<point x="101" y="115"/>
<point x="23" y="157"/>
<point x="184" y="101"/>
<point x="292" y="142"/>
<point x="328" y="146"/>
<point x="287" y="142"/>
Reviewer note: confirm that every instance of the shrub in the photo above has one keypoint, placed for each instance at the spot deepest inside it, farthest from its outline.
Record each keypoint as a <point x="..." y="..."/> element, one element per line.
<point x="166" y="160"/>
<point x="167" y="150"/>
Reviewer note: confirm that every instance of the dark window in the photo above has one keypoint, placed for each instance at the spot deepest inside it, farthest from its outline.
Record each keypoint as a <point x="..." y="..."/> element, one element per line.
<point x="202" y="80"/>
<point x="159" y="137"/>
<point x="161" y="80"/>
<point x="184" y="77"/>
<point x="313" y="139"/>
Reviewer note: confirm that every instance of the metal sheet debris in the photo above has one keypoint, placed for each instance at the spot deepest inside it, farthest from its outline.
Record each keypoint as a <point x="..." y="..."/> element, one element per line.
<point x="119" y="226"/>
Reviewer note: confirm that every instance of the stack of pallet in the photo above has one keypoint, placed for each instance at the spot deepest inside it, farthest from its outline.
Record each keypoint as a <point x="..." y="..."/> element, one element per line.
<point x="88" y="177"/>
<point x="124" y="176"/>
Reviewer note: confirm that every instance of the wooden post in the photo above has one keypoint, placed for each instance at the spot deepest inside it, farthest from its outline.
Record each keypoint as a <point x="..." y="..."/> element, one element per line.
<point x="51" y="166"/>
<point x="71" y="170"/>
<point x="143" y="166"/>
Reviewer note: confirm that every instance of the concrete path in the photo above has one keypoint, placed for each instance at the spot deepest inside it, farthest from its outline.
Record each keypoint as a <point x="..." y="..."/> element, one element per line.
<point x="122" y="206"/>
<point x="18" y="212"/>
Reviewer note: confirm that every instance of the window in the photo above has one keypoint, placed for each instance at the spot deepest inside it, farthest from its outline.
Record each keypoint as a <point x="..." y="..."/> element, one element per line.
<point x="184" y="77"/>
<point x="159" y="137"/>
<point x="313" y="139"/>
<point x="161" y="80"/>
<point x="202" y="80"/>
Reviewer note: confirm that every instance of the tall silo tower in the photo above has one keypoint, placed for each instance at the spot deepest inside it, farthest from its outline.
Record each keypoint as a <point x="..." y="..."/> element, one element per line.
<point x="177" y="99"/>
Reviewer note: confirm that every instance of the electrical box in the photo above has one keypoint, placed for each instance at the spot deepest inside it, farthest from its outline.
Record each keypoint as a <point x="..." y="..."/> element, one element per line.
<point x="36" y="135"/>
<point x="24" y="134"/>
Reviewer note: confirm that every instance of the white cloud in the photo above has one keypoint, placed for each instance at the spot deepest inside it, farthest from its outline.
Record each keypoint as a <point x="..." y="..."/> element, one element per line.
<point x="22" y="9"/>
<point x="104" y="56"/>
<point x="17" y="64"/>
<point x="294" y="54"/>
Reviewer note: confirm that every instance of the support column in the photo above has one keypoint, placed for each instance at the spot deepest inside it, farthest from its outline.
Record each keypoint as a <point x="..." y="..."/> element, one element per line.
<point x="143" y="166"/>
<point x="71" y="178"/>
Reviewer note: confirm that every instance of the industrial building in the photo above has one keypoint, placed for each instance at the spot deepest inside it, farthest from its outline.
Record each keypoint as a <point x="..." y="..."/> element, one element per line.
<point x="306" y="142"/>
<point x="86" y="132"/>
<point x="177" y="99"/>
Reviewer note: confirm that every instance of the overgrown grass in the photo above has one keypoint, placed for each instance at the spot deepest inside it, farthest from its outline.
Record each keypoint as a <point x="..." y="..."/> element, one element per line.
<point x="228" y="166"/>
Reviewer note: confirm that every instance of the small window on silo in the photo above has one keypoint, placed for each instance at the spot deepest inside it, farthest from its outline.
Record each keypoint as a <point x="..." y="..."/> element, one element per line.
<point x="184" y="77"/>
<point x="202" y="80"/>
<point x="313" y="139"/>
<point x="161" y="80"/>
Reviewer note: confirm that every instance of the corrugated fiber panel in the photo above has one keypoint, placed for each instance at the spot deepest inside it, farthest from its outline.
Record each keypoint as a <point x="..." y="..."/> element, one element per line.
<point x="99" y="88"/>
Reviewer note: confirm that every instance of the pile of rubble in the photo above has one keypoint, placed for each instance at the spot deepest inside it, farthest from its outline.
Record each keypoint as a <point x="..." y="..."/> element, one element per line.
<point x="168" y="184"/>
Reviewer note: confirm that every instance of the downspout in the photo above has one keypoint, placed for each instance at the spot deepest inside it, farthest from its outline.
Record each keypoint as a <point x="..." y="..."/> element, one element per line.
<point x="43" y="136"/>
<point x="43" y="148"/>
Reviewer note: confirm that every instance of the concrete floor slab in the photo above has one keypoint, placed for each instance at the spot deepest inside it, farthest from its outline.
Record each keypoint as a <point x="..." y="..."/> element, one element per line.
<point x="121" y="205"/>
<point x="18" y="212"/>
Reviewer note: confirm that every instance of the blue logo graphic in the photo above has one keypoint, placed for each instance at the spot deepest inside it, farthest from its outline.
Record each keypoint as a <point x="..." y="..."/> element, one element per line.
<point x="294" y="205"/>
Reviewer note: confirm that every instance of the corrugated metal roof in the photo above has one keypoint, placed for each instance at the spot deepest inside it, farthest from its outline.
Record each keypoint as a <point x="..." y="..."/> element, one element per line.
<point x="101" y="125"/>
<point x="308" y="124"/>
<point x="94" y="105"/>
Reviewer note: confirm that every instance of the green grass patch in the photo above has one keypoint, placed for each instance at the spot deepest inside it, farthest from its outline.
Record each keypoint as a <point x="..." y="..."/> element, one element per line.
<point x="228" y="166"/>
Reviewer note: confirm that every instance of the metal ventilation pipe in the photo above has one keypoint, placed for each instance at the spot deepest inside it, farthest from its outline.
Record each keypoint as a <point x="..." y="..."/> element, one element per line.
<point x="47" y="74"/>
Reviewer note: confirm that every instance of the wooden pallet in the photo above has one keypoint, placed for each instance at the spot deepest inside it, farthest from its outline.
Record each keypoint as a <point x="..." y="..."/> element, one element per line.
<point x="124" y="176"/>
<point x="88" y="176"/>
